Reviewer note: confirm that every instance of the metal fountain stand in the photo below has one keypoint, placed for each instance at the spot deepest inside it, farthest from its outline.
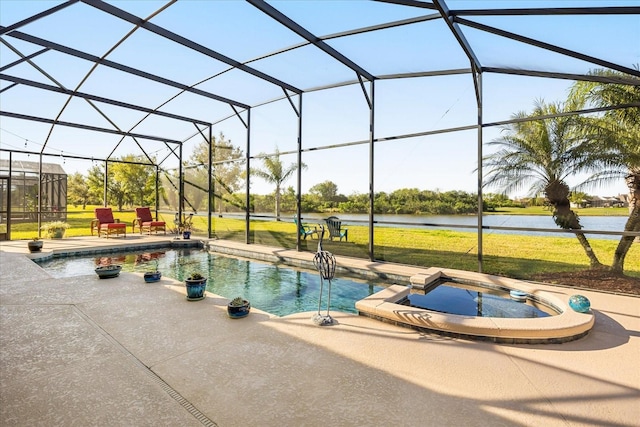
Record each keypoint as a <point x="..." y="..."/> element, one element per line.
<point x="325" y="263"/>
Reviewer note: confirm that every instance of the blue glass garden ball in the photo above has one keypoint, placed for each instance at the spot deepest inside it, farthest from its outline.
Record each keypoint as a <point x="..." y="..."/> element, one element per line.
<point x="579" y="303"/>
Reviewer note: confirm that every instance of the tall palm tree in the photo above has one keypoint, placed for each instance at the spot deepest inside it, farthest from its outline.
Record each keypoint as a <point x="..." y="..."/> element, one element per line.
<point x="617" y="154"/>
<point x="275" y="172"/>
<point x="541" y="154"/>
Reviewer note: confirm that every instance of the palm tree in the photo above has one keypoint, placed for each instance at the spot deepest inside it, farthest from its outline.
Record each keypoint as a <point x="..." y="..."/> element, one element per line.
<point x="617" y="154"/>
<point x="541" y="154"/>
<point x="274" y="172"/>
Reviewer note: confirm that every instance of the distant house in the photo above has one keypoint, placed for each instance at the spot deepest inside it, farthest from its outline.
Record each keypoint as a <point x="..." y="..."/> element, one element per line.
<point x="597" y="202"/>
<point x="584" y="203"/>
<point x="622" y="200"/>
<point x="619" y="201"/>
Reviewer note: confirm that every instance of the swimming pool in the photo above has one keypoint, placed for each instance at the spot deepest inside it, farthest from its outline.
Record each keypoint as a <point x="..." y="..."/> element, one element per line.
<point x="274" y="289"/>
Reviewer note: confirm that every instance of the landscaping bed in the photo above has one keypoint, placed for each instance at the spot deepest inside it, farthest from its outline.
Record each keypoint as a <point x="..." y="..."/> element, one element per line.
<point x="595" y="279"/>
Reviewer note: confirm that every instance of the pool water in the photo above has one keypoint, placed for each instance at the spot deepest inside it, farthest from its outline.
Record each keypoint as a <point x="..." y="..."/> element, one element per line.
<point x="277" y="290"/>
<point x="468" y="300"/>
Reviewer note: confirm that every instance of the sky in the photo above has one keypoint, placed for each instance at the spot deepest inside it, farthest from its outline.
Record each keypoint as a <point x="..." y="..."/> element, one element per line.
<point x="441" y="161"/>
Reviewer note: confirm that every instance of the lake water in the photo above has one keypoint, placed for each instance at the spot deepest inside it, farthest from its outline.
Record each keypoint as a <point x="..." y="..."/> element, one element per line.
<point x="463" y="222"/>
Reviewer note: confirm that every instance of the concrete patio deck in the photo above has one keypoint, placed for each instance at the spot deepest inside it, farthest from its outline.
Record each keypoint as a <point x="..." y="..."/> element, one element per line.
<point x="120" y="352"/>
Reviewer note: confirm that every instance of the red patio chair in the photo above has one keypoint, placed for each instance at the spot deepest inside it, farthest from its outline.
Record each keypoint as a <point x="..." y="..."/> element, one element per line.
<point x="146" y="222"/>
<point x="105" y="224"/>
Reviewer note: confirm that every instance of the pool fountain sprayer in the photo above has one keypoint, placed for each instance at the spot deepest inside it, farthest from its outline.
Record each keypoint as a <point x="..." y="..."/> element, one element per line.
<point x="325" y="263"/>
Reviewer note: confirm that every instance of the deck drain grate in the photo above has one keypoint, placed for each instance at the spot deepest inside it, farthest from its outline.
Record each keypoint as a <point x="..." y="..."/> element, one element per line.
<point x="166" y="387"/>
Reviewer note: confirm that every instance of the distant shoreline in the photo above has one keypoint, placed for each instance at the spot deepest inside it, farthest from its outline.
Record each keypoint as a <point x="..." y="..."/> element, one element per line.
<point x="540" y="210"/>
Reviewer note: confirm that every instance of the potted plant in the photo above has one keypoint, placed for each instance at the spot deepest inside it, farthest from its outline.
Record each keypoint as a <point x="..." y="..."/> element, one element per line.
<point x="196" y="284"/>
<point x="152" y="276"/>
<point x="55" y="229"/>
<point x="108" y="271"/>
<point x="186" y="232"/>
<point x="35" y="244"/>
<point x="238" y="308"/>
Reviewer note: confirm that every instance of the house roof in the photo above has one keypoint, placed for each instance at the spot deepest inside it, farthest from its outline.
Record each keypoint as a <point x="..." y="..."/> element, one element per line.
<point x="30" y="167"/>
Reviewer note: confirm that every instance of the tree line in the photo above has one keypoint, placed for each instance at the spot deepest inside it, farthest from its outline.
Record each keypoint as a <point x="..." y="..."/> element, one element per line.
<point x="128" y="184"/>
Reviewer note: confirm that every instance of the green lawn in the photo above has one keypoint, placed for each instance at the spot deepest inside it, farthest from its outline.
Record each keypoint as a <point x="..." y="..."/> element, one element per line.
<point x="517" y="256"/>
<point x="510" y="255"/>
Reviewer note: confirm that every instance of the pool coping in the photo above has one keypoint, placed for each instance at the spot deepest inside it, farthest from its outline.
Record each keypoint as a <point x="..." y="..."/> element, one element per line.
<point x="49" y="253"/>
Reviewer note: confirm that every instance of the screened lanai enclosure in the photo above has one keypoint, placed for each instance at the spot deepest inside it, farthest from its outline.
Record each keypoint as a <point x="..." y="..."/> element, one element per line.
<point x="386" y="114"/>
<point x="23" y="184"/>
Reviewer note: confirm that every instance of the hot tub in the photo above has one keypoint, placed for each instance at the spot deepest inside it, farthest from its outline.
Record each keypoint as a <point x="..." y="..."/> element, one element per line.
<point x="565" y="325"/>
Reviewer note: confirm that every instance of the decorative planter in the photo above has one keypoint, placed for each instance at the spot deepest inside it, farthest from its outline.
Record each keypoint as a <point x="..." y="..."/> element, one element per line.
<point x="238" y="311"/>
<point x="56" y="233"/>
<point x="55" y="229"/>
<point x="195" y="288"/>
<point x="186" y="235"/>
<point x="152" y="276"/>
<point x="108" y="271"/>
<point x="579" y="303"/>
<point x="34" y="245"/>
